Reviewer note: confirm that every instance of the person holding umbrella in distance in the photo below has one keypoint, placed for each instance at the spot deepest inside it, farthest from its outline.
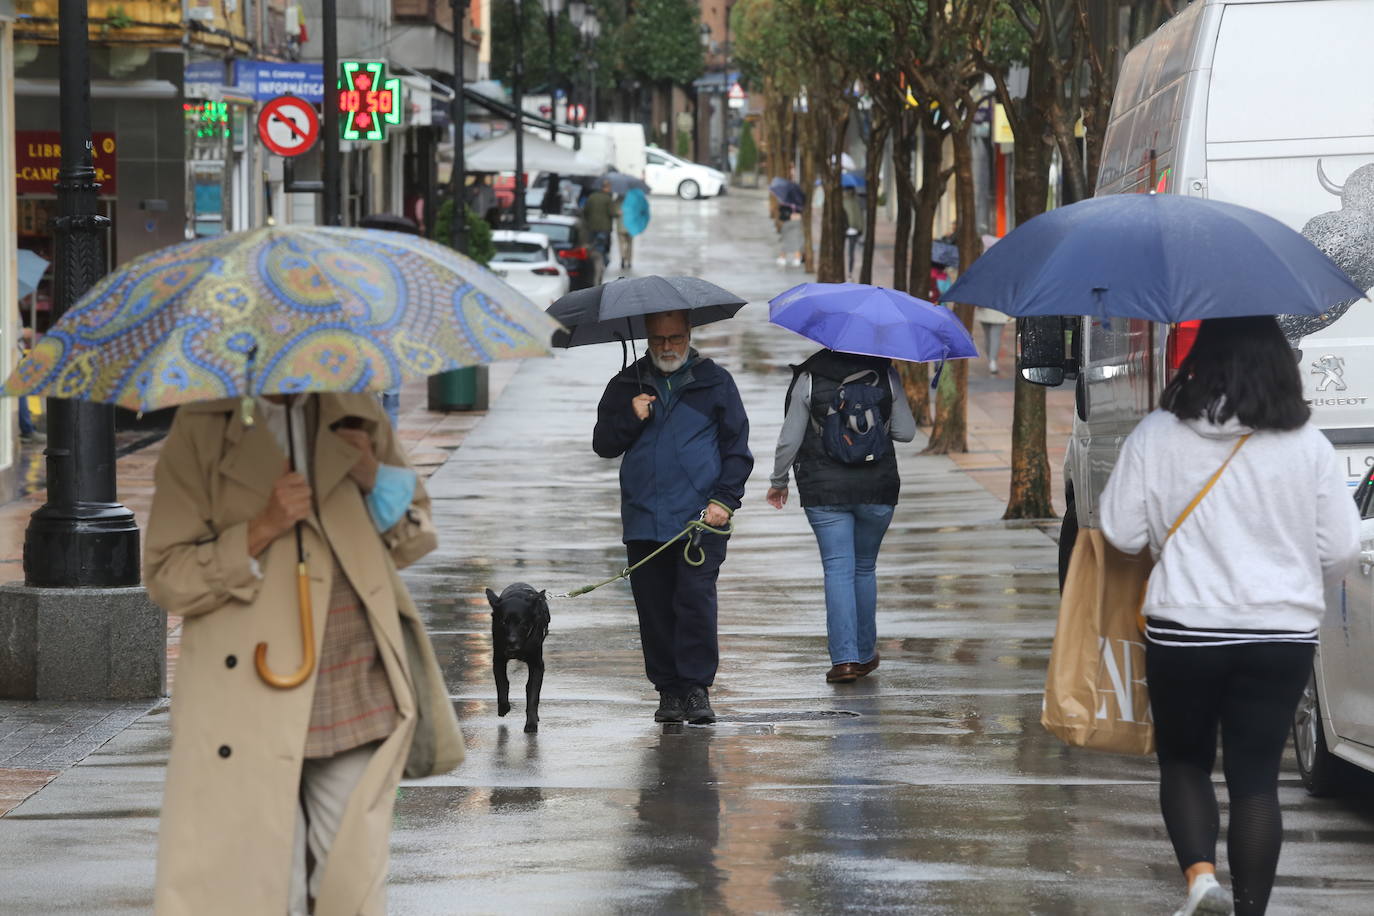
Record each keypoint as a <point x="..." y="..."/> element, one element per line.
<point x="844" y="409"/>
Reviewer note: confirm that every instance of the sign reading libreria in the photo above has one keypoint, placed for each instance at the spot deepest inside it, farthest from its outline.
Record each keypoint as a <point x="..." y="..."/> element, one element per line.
<point x="369" y="100"/>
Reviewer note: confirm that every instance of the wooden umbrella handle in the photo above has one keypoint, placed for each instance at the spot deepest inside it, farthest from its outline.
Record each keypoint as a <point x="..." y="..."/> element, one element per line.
<point x="298" y="677"/>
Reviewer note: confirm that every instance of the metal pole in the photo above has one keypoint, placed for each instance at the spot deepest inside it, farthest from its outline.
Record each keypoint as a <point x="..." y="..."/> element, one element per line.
<point x="333" y="158"/>
<point x="458" y="226"/>
<point x="81" y="537"/>
<point x="553" y="79"/>
<point x="518" y="97"/>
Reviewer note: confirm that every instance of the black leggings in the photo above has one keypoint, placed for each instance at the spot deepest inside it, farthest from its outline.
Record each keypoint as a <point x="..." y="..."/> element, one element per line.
<point x="1250" y="690"/>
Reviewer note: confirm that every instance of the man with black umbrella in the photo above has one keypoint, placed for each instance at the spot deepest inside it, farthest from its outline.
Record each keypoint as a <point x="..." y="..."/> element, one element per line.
<point x="678" y="420"/>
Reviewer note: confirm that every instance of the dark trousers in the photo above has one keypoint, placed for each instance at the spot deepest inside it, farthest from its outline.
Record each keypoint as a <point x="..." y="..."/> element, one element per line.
<point x="677" y="613"/>
<point x="1247" y="692"/>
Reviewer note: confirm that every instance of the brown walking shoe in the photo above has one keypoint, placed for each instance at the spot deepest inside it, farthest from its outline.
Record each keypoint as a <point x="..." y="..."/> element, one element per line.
<point x="845" y="673"/>
<point x="867" y="668"/>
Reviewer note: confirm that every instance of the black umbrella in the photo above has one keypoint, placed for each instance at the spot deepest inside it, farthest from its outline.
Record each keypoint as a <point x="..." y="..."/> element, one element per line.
<point x="621" y="183"/>
<point x="615" y="311"/>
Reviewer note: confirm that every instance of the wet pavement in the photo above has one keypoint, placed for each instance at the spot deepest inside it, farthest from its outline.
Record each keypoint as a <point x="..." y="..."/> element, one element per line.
<point x="928" y="787"/>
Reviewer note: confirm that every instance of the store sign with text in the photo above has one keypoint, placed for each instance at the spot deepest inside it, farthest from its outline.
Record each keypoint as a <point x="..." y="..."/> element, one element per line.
<point x="38" y="157"/>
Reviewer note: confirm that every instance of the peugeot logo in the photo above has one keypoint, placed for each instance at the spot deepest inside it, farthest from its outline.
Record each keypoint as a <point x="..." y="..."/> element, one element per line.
<point x="1332" y="371"/>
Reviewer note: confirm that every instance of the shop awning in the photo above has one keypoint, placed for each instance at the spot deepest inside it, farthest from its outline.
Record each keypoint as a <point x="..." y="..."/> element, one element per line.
<point x="498" y="155"/>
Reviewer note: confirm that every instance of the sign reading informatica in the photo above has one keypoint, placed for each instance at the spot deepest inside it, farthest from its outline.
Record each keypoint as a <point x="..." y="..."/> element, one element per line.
<point x="265" y="80"/>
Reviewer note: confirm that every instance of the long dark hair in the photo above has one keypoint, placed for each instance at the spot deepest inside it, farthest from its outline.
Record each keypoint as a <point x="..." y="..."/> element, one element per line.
<point x="1242" y="368"/>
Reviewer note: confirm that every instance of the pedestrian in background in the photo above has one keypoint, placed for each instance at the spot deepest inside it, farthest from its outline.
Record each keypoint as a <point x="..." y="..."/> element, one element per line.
<point x="849" y="506"/>
<point x="599" y="214"/>
<point x="1235" y="601"/>
<point x="631" y="218"/>
<point x="685" y="444"/>
<point x="279" y="797"/>
<point x="853" y="225"/>
<point x="787" y="201"/>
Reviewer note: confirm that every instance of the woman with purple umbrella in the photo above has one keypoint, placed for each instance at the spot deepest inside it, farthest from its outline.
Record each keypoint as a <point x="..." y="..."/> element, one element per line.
<point x="844" y="409"/>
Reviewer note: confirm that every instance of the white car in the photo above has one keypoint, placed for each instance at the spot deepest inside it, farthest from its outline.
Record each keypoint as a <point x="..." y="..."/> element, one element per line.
<point x="527" y="262"/>
<point x="1333" y="727"/>
<point x="667" y="174"/>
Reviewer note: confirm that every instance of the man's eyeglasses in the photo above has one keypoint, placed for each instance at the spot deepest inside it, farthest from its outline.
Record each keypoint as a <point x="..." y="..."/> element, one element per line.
<point x="658" y="341"/>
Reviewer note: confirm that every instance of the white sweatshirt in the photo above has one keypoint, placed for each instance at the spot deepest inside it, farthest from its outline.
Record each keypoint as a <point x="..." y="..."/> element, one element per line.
<point x="1257" y="552"/>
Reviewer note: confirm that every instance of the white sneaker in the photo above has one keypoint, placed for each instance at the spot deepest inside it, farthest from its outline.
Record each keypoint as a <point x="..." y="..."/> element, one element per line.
<point x="782" y="262"/>
<point x="796" y="262"/>
<point x="1206" y="898"/>
<point x="992" y="367"/>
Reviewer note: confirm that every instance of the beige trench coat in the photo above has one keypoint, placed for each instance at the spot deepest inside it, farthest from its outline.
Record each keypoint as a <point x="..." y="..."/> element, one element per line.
<point x="229" y="811"/>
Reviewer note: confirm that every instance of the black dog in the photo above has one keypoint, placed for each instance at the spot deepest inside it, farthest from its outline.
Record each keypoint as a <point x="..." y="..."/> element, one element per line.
<point x="519" y="623"/>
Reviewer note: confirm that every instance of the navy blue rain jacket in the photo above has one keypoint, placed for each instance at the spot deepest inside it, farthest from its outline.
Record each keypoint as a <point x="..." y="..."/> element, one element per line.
<point x="694" y="447"/>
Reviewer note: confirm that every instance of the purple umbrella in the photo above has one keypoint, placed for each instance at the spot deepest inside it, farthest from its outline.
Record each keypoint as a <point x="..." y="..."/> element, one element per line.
<point x="872" y="321"/>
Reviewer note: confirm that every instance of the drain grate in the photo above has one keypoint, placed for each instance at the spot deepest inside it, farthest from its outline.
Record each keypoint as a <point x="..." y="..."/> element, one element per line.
<point x="791" y="715"/>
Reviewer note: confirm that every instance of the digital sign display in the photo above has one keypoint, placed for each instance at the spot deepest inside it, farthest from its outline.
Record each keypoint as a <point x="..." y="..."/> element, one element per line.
<point x="369" y="100"/>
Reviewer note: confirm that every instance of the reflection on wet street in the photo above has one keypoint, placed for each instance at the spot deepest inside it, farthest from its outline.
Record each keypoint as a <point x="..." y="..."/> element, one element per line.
<point x="928" y="787"/>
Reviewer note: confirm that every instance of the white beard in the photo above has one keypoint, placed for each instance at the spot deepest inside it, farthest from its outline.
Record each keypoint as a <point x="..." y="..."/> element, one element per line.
<point x="667" y="364"/>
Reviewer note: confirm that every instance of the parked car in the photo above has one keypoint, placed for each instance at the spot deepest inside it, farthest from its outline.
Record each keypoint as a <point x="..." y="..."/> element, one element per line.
<point x="572" y="189"/>
<point x="572" y="244"/>
<point x="667" y="174"/>
<point x="1189" y="117"/>
<point x="1333" y="726"/>
<point x="526" y="261"/>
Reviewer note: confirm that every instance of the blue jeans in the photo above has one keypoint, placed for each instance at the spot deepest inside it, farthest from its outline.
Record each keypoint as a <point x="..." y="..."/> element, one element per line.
<point x="849" y="538"/>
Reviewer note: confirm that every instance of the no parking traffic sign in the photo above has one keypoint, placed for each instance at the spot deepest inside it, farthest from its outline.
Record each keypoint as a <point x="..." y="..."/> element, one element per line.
<point x="288" y="126"/>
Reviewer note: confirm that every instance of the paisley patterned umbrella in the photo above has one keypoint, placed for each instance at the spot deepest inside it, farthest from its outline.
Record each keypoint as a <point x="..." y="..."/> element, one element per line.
<point x="277" y="311"/>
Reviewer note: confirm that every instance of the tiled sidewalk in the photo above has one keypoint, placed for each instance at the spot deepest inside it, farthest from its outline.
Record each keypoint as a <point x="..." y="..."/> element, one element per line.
<point x="40" y="739"/>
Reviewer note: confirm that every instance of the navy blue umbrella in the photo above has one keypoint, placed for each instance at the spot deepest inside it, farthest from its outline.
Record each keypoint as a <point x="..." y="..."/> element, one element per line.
<point x="1161" y="257"/>
<point x="872" y="321"/>
<point x="788" y="193"/>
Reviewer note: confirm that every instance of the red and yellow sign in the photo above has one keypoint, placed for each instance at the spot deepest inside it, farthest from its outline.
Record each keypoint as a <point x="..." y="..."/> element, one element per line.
<point x="38" y="156"/>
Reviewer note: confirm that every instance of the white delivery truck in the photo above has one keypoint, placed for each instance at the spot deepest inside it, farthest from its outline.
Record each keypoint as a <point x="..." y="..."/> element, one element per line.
<point x="1264" y="103"/>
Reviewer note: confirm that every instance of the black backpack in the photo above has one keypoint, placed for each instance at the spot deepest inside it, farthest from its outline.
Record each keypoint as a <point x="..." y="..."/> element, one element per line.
<point x="853" y="431"/>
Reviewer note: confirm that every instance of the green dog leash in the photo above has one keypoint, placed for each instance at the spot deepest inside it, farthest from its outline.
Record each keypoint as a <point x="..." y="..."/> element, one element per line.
<point x="696" y="524"/>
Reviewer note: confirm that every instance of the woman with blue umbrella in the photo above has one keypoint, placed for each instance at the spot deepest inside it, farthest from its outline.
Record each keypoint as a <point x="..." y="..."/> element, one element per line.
<point x="844" y="409"/>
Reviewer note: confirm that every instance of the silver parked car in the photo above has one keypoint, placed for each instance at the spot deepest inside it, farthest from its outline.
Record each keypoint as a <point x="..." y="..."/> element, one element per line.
<point x="1333" y="728"/>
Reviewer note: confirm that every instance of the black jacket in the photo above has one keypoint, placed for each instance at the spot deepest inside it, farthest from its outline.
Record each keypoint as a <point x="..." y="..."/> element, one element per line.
<point x="821" y="480"/>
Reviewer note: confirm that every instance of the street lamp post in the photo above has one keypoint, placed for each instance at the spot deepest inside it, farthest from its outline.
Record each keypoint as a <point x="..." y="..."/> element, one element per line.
<point x="518" y="98"/>
<point x="591" y="29"/>
<point x="333" y="159"/>
<point x="82" y="537"/>
<point x="552" y="8"/>
<point x="577" y="16"/>
<point x="458" y="113"/>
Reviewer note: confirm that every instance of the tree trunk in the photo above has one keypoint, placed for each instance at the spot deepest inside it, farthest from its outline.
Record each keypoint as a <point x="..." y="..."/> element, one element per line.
<point x="833" y="130"/>
<point x="807" y="180"/>
<point x="916" y="376"/>
<point x="901" y="166"/>
<point x="1030" y="493"/>
<point x="877" y="144"/>
<point x="950" y="432"/>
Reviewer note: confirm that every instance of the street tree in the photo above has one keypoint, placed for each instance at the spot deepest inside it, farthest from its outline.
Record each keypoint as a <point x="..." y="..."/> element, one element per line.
<point x="949" y="75"/>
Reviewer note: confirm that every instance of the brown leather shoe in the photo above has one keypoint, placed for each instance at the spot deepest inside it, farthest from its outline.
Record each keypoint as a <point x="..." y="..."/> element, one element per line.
<point x="867" y="668"/>
<point x="846" y="673"/>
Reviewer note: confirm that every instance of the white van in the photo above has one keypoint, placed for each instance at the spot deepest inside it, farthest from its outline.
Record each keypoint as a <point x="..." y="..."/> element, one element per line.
<point x="1264" y="103"/>
<point x="628" y="138"/>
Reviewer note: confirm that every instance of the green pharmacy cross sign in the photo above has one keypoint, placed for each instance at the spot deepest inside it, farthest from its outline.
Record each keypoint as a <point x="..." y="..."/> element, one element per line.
<point x="369" y="100"/>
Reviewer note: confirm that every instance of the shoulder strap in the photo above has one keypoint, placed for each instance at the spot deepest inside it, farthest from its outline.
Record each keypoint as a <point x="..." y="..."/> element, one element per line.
<point x="862" y="373"/>
<point x="1203" y="492"/>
